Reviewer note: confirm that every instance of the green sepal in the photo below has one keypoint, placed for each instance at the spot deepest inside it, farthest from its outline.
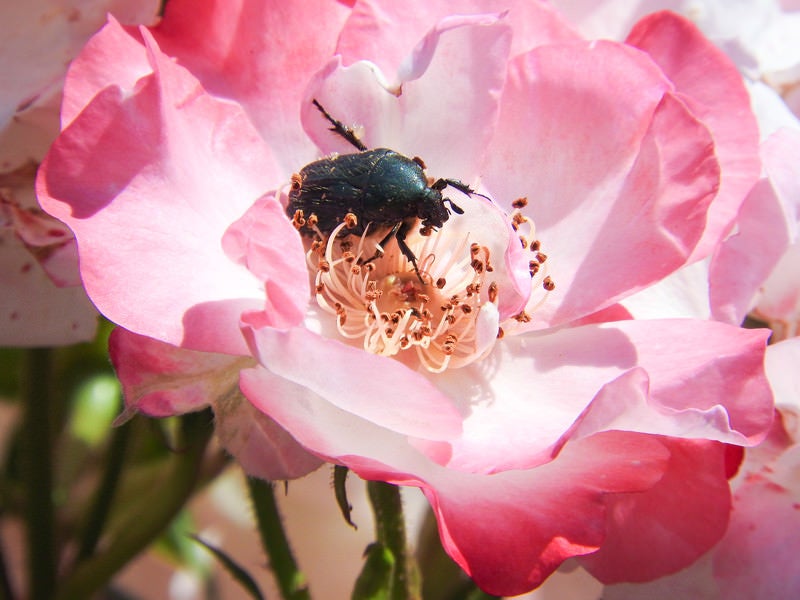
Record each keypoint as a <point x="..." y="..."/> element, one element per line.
<point x="340" y="491"/>
<point x="376" y="578"/>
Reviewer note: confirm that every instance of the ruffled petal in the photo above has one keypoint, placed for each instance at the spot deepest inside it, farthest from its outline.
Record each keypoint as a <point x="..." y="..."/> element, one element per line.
<point x="670" y="525"/>
<point x="149" y="181"/>
<point x="448" y="103"/>
<point x="260" y="54"/>
<point x="529" y="521"/>
<point x="632" y="172"/>
<point x="711" y="86"/>
<point x="384" y="32"/>
<point x="704" y="380"/>
<point x="373" y="387"/>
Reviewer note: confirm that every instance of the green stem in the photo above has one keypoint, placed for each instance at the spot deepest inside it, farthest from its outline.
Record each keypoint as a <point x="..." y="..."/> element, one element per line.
<point x="38" y="461"/>
<point x="147" y="518"/>
<point x="291" y="581"/>
<point x="101" y="506"/>
<point x="390" y="530"/>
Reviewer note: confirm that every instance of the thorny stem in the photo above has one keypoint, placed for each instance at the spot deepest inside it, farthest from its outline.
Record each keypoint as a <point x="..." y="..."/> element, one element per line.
<point x="291" y="581"/>
<point x="38" y="466"/>
<point x="390" y="531"/>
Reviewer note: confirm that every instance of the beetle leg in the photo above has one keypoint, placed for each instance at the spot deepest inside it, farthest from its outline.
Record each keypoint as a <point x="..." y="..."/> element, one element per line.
<point x="398" y="232"/>
<point x="400" y="236"/>
<point x="379" y="251"/>
<point x="340" y="128"/>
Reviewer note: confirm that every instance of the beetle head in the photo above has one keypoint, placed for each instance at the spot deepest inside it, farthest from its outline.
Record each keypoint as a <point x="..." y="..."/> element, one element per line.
<point x="431" y="209"/>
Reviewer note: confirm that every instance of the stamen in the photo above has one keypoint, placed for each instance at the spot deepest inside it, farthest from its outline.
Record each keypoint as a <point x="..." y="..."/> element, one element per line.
<point x="519" y="203"/>
<point x="384" y="304"/>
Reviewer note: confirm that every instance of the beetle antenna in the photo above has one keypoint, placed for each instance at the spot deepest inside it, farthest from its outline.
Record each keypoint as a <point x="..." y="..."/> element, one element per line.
<point x="462" y="187"/>
<point x="340" y="128"/>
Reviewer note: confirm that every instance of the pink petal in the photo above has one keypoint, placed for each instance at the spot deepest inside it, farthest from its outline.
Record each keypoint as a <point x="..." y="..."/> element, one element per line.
<point x="704" y="380"/>
<point x="447" y="106"/>
<point x="375" y="388"/>
<point x="670" y="525"/>
<point x="324" y="428"/>
<point x="529" y="522"/>
<point x="260" y="54"/>
<point x="632" y="172"/>
<point x="259" y="241"/>
<point x="384" y="32"/>
<point x="114" y="56"/>
<point x="171" y="168"/>
<point x="711" y="86"/>
<point x="509" y="530"/>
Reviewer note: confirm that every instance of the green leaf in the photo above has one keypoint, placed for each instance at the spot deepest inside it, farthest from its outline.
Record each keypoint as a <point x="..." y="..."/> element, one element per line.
<point x="236" y="570"/>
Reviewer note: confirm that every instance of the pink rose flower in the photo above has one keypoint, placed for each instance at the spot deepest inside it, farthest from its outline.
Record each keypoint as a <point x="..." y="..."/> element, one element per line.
<point x="497" y="378"/>
<point x="42" y="302"/>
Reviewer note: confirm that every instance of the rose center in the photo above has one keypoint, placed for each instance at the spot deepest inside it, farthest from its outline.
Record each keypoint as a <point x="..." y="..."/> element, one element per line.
<point x="447" y="314"/>
<point x="383" y="303"/>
